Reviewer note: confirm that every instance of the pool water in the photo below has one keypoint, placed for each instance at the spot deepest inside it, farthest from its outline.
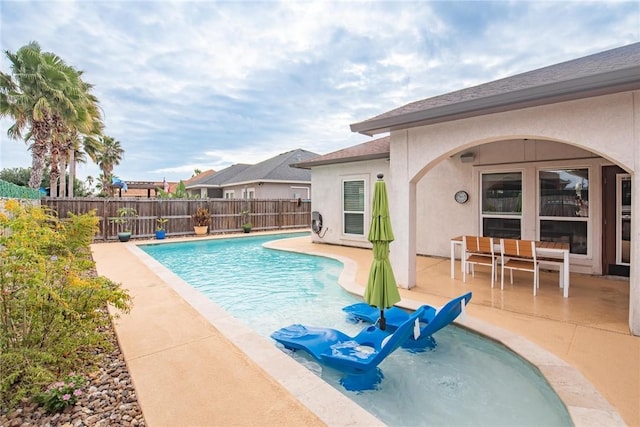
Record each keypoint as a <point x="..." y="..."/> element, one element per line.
<point x="465" y="380"/>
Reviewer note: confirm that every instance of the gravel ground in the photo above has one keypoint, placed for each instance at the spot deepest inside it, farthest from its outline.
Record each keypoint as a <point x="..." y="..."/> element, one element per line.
<point x="109" y="399"/>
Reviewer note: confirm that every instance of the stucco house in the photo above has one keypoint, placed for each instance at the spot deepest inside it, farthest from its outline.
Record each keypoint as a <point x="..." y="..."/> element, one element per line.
<point x="273" y="178"/>
<point x="550" y="154"/>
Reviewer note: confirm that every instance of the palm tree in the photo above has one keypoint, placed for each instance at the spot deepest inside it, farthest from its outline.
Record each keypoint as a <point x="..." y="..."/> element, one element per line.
<point x="90" y="145"/>
<point x="77" y="145"/>
<point x="26" y="98"/>
<point x="75" y="156"/>
<point x="32" y="96"/>
<point x="80" y="116"/>
<point x="110" y="155"/>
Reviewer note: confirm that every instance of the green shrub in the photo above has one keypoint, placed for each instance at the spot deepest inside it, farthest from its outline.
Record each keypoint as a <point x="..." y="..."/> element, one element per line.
<point x="52" y="305"/>
<point x="61" y="394"/>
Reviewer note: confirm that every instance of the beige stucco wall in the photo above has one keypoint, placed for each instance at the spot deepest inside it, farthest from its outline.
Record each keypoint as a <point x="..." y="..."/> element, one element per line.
<point x="272" y="190"/>
<point x="425" y="171"/>
<point x="608" y="126"/>
<point x="327" y="198"/>
<point x="435" y="190"/>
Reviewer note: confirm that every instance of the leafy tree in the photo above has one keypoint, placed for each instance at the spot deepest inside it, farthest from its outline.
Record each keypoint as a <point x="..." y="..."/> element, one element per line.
<point x="80" y="189"/>
<point x="17" y="176"/>
<point x="20" y="176"/>
<point x="180" y="192"/>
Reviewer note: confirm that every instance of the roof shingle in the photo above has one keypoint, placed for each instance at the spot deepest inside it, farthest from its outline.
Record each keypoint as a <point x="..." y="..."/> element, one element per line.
<point x="610" y="71"/>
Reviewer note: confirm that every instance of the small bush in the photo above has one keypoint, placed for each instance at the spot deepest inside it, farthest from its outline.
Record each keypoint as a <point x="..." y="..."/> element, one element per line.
<point x="61" y="394"/>
<point x="51" y="302"/>
<point x="201" y="218"/>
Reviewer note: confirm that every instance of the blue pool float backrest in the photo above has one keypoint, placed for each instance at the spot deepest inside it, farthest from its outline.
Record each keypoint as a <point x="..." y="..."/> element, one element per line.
<point x="446" y="314"/>
<point x="381" y="350"/>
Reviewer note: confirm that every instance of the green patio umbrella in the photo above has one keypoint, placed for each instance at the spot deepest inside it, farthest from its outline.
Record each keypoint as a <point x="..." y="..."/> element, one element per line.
<point x="381" y="290"/>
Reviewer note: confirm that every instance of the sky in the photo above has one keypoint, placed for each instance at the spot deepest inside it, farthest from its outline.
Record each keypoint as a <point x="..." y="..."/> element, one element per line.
<point x="187" y="85"/>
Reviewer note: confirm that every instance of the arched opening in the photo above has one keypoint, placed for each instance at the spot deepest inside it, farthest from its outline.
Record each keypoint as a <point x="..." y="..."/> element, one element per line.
<point x="528" y="188"/>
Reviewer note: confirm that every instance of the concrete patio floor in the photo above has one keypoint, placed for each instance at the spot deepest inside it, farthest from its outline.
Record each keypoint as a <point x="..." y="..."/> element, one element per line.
<point x="193" y="364"/>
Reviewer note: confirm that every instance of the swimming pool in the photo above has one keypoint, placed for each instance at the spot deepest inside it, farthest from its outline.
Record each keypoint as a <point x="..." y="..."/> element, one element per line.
<point x="466" y="380"/>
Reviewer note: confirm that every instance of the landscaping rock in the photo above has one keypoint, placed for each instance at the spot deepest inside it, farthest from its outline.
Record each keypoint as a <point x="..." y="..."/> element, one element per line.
<point x="109" y="399"/>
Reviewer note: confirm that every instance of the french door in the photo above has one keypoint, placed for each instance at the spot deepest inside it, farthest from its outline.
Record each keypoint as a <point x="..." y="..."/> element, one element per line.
<point x="616" y="221"/>
<point x="623" y="219"/>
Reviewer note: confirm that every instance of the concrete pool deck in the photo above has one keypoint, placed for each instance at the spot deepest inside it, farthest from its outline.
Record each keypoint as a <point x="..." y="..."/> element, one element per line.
<point x="193" y="364"/>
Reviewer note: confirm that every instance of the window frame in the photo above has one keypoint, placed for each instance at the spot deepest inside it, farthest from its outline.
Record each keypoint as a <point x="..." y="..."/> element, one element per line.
<point x="513" y="216"/>
<point x="249" y="193"/>
<point x="297" y="195"/>
<point x="364" y="206"/>
<point x="575" y="219"/>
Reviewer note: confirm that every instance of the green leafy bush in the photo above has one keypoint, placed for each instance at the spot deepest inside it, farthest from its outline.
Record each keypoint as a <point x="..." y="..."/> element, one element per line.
<point x="61" y="394"/>
<point x="52" y="304"/>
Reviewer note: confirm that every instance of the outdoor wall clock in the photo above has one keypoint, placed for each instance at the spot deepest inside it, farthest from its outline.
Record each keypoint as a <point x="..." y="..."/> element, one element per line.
<point x="461" y="196"/>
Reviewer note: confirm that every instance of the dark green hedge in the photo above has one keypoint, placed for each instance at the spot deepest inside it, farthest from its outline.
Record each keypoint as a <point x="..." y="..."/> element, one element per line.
<point x="12" y="191"/>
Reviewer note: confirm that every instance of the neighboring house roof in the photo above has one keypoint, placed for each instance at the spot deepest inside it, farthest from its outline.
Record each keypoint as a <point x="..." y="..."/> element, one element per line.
<point x="198" y="178"/>
<point x="612" y="71"/>
<point x="276" y="169"/>
<point x="220" y="178"/>
<point x="375" y="149"/>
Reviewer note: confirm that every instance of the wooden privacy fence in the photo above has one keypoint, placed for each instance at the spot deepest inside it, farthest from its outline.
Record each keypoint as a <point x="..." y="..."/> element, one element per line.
<point x="226" y="214"/>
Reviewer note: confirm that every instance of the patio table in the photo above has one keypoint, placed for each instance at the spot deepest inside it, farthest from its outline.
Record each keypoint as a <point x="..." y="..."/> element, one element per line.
<point x="543" y="249"/>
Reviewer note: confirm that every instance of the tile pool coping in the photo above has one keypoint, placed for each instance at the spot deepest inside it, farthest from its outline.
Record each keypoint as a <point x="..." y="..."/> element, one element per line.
<point x="586" y="406"/>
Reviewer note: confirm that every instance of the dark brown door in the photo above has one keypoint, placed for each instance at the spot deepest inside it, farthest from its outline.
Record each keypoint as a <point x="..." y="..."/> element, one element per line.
<point x="612" y="261"/>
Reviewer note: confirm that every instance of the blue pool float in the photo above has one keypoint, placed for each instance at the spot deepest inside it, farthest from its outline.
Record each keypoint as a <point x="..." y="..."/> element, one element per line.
<point x="431" y="321"/>
<point x="358" y="356"/>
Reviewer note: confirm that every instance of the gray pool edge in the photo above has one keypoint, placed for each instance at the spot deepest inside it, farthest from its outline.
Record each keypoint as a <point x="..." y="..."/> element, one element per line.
<point x="586" y="406"/>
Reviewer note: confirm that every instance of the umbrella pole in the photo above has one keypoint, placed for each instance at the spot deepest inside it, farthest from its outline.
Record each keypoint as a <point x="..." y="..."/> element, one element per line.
<point x="383" y="321"/>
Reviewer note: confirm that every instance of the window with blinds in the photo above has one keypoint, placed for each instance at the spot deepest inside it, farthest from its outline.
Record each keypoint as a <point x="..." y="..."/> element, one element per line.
<point x="353" y="204"/>
<point x="502" y="204"/>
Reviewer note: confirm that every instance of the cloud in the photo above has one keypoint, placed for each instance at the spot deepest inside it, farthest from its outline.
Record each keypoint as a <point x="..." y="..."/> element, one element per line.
<point x="205" y="84"/>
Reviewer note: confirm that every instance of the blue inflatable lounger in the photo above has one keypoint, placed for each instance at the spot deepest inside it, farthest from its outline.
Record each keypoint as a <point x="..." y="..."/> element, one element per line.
<point x="431" y="321"/>
<point x="357" y="356"/>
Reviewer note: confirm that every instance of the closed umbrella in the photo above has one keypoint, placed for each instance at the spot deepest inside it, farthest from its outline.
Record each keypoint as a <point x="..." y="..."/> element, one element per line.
<point x="381" y="290"/>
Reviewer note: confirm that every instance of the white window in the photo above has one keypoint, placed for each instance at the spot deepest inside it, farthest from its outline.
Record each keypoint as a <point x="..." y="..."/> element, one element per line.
<point x="300" y="192"/>
<point x="502" y="204"/>
<point x="229" y="194"/>
<point x="353" y="206"/>
<point x="564" y="207"/>
<point x="249" y="193"/>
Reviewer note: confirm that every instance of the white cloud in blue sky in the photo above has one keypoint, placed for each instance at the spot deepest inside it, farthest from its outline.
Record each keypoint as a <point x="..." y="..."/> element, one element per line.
<point x="204" y="84"/>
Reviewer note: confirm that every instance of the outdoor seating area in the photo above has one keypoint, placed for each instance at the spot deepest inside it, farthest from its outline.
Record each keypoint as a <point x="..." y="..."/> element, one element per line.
<point x="512" y="255"/>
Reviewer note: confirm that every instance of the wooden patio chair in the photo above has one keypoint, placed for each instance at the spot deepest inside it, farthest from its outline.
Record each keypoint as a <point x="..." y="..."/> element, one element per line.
<point x="519" y="255"/>
<point x="479" y="250"/>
